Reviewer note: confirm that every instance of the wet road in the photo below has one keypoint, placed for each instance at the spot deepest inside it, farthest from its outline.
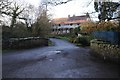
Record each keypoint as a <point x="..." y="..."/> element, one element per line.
<point x="63" y="60"/>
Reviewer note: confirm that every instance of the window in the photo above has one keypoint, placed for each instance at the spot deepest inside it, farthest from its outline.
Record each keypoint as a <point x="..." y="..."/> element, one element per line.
<point x="71" y="24"/>
<point x="59" y="24"/>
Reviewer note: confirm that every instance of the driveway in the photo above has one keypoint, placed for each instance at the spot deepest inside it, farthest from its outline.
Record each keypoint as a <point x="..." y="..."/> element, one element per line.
<point x="63" y="60"/>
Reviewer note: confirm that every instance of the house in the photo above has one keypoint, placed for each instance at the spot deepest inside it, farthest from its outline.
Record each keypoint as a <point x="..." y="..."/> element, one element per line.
<point x="66" y="25"/>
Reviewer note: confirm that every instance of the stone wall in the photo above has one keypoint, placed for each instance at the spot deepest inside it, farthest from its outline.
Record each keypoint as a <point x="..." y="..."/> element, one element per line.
<point x="16" y="43"/>
<point x="105" y="50"/>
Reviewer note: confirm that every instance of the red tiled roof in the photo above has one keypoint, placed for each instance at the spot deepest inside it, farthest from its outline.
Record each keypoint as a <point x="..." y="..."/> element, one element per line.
<point x="59" y="19"/>
<point x="70" y="20"/>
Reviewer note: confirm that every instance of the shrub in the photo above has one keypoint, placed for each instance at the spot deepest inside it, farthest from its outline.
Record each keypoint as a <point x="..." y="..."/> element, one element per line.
<point x="19" y="31"/>
<point x="108" y="25"/>
<point x="82" y="40"/>
<point x="89" y="27"/>
<point x="6" y="32"/>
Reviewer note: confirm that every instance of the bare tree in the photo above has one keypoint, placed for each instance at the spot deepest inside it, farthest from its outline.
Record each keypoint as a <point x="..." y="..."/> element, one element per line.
<point x="12" y="9"/>
<point x="16" y="10"/>
<point x="28" y="15"/>
<point x="4" y="7"/>
<point x="56" y="2"/>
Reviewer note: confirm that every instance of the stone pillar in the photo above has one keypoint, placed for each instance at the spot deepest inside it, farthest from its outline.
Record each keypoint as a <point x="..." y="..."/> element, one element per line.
<point x="55" y="31"/>
<point x="66" y="30"/>
<point x="58" y="31"/>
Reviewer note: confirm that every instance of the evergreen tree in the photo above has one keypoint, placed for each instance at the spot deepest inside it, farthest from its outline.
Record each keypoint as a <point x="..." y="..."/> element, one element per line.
<point x="105" y="9"/>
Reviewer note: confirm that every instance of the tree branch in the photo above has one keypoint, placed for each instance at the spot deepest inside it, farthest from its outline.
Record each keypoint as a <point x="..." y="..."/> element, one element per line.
<point x="22" y="18"/>
<point x="58" y="3"/>
<point x="6" y="13"/>
<point x="20" y="11"/>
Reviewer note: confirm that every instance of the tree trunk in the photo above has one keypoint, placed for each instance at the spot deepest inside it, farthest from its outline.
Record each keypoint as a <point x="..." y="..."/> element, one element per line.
<point x="13" y="22"/>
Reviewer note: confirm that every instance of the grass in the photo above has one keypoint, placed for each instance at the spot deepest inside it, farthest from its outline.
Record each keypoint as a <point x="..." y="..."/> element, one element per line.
<point x="81" y="41"/>
<point x="78" y="44"/>
<point x="50" y="43"/>
<point x="63" y="38"/>
<point x="8" y="50"/>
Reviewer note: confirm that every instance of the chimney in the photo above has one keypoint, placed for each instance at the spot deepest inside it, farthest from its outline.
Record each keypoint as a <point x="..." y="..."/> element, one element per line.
<point x="68" y="16"/>
<point x="74" y="15"/>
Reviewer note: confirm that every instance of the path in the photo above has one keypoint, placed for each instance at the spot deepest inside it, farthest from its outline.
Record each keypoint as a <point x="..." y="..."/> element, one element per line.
<point x="64" y="60"/>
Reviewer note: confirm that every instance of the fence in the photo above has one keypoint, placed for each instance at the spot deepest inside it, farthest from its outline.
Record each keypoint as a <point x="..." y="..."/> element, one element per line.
<point x="111" y="36"/>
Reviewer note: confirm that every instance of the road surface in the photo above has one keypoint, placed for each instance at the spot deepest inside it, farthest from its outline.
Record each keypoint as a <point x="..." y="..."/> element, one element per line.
<point x="63" y="60"/>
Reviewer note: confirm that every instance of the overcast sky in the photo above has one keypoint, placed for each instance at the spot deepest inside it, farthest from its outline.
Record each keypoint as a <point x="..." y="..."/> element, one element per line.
<point x="75" y="7"/>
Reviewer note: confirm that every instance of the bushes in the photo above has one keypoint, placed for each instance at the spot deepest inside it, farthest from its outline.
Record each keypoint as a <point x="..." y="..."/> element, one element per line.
<point x="6" y="32"/>
<point x="84" y="41"/>
<point x="20" y="30"/>
<point x="69" y="37"/>
<point x="107" y="26"/>
<point x="89" y="27"/>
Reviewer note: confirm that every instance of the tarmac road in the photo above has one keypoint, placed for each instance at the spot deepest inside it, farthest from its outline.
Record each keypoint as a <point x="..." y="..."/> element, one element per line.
<point x="63" y="60"/>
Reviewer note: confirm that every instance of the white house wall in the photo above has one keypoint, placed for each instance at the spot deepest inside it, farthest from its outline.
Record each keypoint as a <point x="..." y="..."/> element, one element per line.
<point x="65" y="26"/>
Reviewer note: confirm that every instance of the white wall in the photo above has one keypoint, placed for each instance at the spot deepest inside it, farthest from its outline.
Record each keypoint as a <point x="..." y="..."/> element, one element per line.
<point x="66" y="26"/>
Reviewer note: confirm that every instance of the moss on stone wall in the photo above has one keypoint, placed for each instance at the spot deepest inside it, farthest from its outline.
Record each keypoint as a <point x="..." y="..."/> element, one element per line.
<point x="22" y="43"/>
<point x="105" y="50"/>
